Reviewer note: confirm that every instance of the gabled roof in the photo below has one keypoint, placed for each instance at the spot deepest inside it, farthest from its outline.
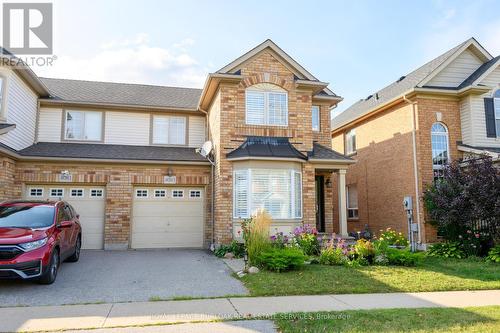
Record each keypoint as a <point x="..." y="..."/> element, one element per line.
<point x="480" y="72"/>
<point x="110" y="93"/>
<point x="266" y="147"/>
<point x="406" y="83"/>
<point x="24" y="71"/>
<point x="293" y="65"/>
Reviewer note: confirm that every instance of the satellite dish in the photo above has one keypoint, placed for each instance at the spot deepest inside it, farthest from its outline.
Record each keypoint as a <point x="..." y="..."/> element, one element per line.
<point x="206" y="149"/>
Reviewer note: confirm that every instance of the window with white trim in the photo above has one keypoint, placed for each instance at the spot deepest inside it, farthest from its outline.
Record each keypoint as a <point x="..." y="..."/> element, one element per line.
<point x="195" y="194"/>
<point x="496" y="103"/>
<point x="440" y="149"/>
<point x="169" y="130"/>
<point x="36" y="192"/>
<point x="83" y="125"/>
<point x="56" y="192"/>
<point x="350" y="142"/>
<point x="141" y="193"/>
<point x="76" y="192"/>
<point x="178" y="194"/>
<point x="160" y="193"/>
<point x="96" y="193"/>
<point x="352" y="202"/>
<point x="278" y="191"/>
<point x="266" y="104"/>
<point x="315" y="118"/>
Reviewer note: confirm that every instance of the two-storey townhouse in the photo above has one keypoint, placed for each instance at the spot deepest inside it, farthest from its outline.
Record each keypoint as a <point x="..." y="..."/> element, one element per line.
<point x="125" y="155"/>
<point x="404" y="134"/>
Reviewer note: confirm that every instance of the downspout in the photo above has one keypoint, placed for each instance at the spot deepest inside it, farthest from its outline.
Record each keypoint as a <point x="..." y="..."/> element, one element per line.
<point x="415" y="165"/>
<point x="212" y="197"/>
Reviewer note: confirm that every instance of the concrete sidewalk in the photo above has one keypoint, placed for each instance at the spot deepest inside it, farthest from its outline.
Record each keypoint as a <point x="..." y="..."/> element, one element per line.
<point x="47" y="318"/>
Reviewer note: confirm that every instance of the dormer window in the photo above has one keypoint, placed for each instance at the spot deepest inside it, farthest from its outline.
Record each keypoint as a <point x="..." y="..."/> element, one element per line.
<point x="266" y="104"/>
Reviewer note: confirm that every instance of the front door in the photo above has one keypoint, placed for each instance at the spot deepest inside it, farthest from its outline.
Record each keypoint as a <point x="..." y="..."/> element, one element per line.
<point x="320" y="203"/>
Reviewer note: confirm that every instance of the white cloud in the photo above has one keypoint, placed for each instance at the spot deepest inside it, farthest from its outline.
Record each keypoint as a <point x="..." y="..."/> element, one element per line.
<point x="133" y="60"/>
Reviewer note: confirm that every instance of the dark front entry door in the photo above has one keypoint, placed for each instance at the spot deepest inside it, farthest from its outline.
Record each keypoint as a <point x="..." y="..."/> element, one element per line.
<point x="320" y="203"/>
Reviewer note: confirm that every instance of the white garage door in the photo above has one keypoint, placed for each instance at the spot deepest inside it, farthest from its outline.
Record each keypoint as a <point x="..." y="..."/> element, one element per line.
<point x="88" y="201"/>
<point x="167" y="217"/>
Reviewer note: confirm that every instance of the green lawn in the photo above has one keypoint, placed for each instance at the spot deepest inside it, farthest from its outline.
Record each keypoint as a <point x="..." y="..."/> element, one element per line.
<point x="478" y="319"/>
<point x="433" y="274"/>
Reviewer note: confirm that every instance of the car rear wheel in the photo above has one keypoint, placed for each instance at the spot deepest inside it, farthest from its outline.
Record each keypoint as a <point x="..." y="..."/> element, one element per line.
<point x="76" y="255"/>
<point x="51" y="273"/>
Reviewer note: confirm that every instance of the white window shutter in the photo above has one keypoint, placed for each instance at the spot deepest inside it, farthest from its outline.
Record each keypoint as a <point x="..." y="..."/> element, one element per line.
<point x="297" y="184"/>
<point x="240" y="190"/>
<point x="255" y="101"/>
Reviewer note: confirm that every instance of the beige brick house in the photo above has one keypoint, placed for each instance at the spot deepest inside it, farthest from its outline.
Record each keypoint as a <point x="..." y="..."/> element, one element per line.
<point x="402" y="135"/>
<point x="125" y="155"/>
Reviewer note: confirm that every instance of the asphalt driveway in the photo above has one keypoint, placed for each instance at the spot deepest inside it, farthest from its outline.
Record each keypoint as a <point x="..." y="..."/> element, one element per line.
<point x="124" y="276"/>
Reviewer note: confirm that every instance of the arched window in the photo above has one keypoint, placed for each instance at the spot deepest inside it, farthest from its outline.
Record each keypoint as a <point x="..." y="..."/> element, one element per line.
<point x="266" y="104"/>
<point x="496" y="102"/>
<point x="440" y="149"/>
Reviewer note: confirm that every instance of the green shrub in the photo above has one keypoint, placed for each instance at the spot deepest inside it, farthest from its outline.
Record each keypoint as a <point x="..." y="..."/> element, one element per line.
<point x="332" y="256"/>
<point x="494" y="254"/>
<point x="392" y="237"/>
<point x="403" y="257"/>
<point x="280" y="260"/>
<point x="256" y="235"/>
<point x="238" y="249"/>
<point x="447" y="250"/>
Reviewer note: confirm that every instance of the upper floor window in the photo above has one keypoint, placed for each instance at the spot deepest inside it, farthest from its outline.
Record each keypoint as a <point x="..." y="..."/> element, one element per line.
<point x="169" y="130"/>
<point x="83" y="125"/>
<point x="350" y="142"/>
<point x="315" y="118"/>
<point x="496" y="102"/>
<point x="440" y="148"/>
<point x="266" y="104"/>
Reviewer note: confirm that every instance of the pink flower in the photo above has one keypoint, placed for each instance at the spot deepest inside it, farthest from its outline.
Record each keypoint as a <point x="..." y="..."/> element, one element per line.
<point x="477" y="235"/>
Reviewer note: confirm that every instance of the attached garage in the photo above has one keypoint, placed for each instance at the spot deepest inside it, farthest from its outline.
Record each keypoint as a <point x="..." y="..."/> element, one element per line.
<point x="88" y="201"/>
<point x="167" y="217"/>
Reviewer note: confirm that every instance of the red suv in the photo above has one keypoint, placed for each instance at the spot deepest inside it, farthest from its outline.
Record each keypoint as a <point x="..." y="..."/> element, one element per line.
<point x="35" y="237"/>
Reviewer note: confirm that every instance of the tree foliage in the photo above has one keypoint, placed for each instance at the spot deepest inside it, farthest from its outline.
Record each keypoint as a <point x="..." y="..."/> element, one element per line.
<point x="466" y="199"/>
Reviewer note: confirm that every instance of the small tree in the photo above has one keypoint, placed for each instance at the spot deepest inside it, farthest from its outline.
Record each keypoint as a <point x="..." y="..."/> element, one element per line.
<point x="468" y="194"/>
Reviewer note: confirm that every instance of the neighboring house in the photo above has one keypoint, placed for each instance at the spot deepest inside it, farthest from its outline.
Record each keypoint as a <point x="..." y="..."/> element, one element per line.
<point x="125" y="154"/>
<point x="404" y="134"/>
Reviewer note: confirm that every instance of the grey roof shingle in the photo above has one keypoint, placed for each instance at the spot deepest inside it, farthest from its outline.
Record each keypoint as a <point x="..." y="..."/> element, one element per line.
<point x="111" y="152"/>
<point x="480" y="71"/>
<point x="393" y="90"/>
<point x="2" y="126"/>
<point x="320" y="152"/>
<point x="122" y="93"/>
<point x="264" y="146"/>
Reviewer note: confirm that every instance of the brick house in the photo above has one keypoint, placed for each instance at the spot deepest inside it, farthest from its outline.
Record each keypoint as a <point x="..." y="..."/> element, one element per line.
<point x="125" y="155"/>
<point x="402" y="135"/>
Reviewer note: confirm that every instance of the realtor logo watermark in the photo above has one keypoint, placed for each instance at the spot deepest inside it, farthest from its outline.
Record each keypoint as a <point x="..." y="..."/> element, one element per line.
<point x="28" y="31"/>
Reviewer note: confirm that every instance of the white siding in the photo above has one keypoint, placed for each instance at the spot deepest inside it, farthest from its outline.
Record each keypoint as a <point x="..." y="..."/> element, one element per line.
<point x="196" y="131"/>
<point x="457" y="71"/>
<point x="477" y="113"/>
<point x="466" y="120"/>
<point x="21" y="110"/>
<point x="127" y="128"/>
<point x="49" y="125"/>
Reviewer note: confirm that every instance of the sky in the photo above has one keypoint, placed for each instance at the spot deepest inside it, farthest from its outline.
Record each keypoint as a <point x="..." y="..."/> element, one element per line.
<point x="357" y="46"/>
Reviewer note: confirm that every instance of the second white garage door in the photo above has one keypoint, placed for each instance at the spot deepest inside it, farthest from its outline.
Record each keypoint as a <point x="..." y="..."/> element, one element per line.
<point x="167" y="218"/>
<point x="88" y="201"/>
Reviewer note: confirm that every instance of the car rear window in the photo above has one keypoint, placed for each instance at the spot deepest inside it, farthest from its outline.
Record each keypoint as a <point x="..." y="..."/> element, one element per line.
<point x="26" y="216"/>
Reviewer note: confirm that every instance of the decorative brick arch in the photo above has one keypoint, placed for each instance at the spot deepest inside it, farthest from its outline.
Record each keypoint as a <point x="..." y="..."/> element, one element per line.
<point x="267" y="78"/>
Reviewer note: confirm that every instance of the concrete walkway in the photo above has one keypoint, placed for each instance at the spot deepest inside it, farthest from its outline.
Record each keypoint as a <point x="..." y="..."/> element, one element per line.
<point x="47" y="318"/>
